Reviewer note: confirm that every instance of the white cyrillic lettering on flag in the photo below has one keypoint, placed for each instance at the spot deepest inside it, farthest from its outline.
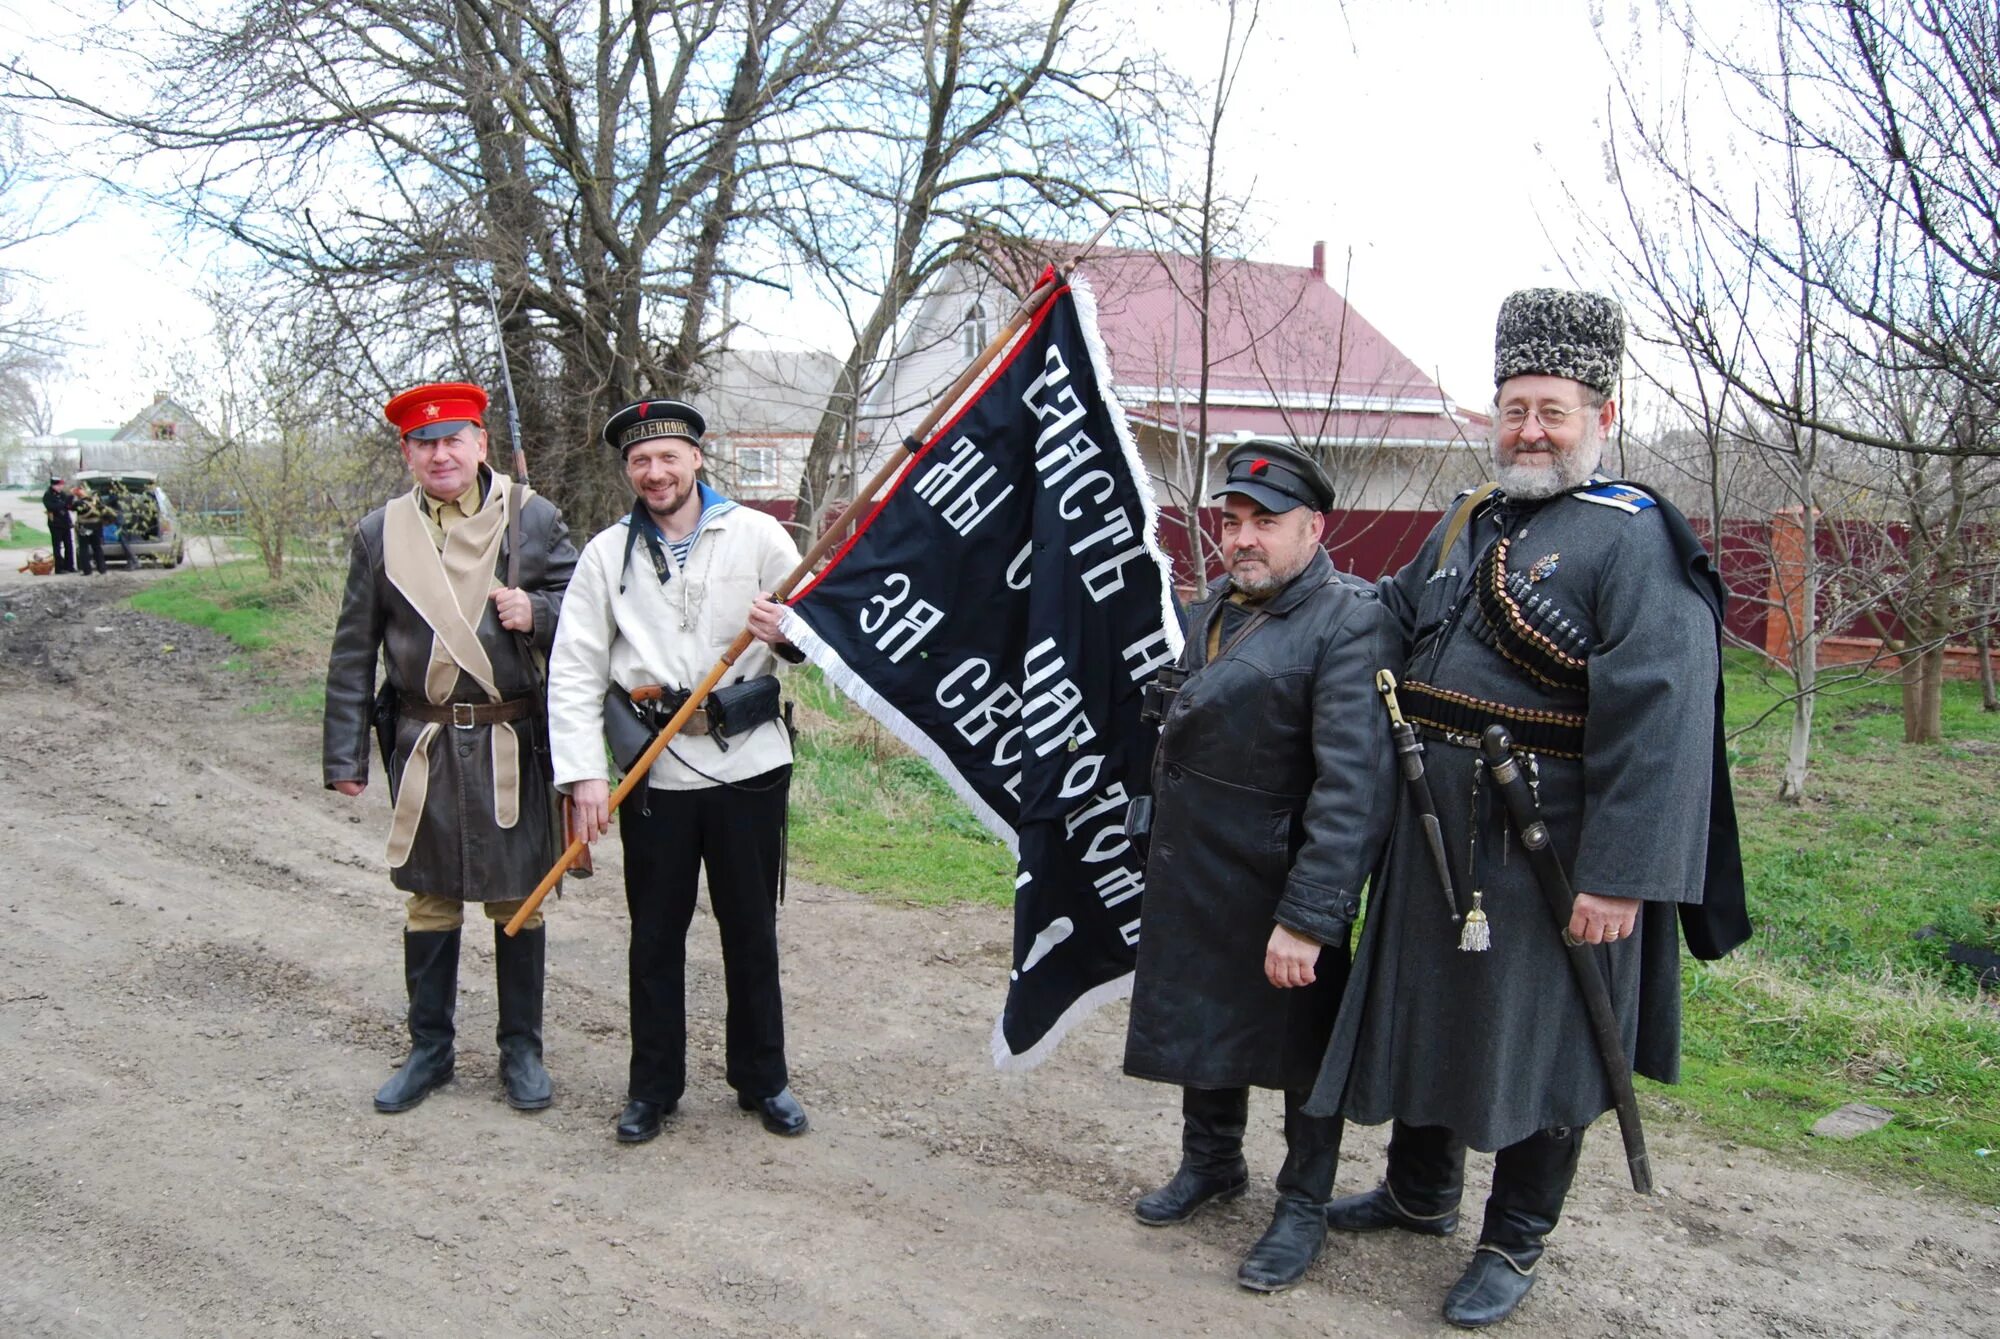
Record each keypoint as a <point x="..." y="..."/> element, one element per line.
<point x="947" y="486"/>
<point x="1062" y="410"/>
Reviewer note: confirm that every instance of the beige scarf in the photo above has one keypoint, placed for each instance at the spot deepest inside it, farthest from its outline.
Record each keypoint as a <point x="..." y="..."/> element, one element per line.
<point x="448" y="586"/>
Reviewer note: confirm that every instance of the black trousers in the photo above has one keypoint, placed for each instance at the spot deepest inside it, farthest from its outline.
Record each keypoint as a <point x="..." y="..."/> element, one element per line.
<point x="63" y="546"/>
<point x="90" y="548"/>
<point x="736" y="832"/>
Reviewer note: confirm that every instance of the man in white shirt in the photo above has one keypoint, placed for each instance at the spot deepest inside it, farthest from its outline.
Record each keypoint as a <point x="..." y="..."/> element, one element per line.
<point x="656" y="599"/>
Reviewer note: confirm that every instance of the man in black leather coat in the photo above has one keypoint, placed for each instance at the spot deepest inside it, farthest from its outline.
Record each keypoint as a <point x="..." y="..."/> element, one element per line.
<point x="1272" y="793"/>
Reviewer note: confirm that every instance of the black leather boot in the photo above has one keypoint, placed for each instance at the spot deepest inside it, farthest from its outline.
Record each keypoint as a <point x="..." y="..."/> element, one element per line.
<point x="1420" y="1189"/>
<point x="430" y="969"/>
<point x="1298" y="1224"/>
<point x="520" y="964"/>
<point x="1212" y="1166"/>
<point x="1531" y="1180"/>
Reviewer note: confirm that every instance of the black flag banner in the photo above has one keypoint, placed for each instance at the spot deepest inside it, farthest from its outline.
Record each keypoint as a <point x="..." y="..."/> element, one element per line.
<point x="999" y="610"/>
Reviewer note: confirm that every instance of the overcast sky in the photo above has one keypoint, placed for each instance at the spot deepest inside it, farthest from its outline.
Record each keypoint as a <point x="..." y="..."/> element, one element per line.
<point x="1423" y="140"/>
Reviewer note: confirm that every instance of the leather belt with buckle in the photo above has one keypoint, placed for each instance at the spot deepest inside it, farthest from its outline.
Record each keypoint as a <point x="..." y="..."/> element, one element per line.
<point x="468" y="715"/>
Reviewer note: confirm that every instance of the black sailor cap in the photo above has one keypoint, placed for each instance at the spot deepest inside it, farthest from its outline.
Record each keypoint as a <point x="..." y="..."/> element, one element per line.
<point x="643" y="420"/>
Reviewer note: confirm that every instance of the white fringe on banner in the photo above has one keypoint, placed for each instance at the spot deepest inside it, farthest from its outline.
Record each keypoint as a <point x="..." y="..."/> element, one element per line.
<point x="1085" y="1005"/>
<point x="800" y="634"/>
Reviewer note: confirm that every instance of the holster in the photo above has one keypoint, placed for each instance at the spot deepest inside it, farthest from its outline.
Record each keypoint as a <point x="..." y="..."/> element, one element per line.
<point x="383" y="716"/>
<point x="1139" y="824"/>
<point x="1157" y="694"/>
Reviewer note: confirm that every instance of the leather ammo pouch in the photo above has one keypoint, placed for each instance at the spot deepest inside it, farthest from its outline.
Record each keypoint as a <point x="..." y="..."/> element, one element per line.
<point x="1139" y="824"/>
<point x="740" y="708"/>
<point x="727" y="713"/>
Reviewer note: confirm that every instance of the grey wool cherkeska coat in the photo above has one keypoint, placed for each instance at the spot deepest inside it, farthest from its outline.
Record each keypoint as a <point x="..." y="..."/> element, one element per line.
<point x="1496" y="1045"/>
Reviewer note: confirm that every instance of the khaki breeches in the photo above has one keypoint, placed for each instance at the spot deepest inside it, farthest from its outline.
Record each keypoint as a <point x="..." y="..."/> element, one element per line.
<point x="427" y="911"/>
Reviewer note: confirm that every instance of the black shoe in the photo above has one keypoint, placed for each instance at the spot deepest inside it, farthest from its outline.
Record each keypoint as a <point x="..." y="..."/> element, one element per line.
<point x="641" y="1119"/>
<point x="1288" y="1247"/>
<point x="519" y="963"/>
<point x="1178" y="1200"/>
<point x="782" y="1114"/>
<point x="1487" y="1292"/>
<point x="430" y="971"/>
<point x="1377" y="1209"/>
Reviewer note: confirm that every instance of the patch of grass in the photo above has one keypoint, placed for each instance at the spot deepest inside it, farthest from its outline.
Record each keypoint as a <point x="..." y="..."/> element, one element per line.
<point x="870" y="815"/>
<point x="1844" y="994"/>
<point x="25" y="536"/>
<point x="1768" y="1054"/>
<point x="1890" y="858"/>
<point x="283" y="625"/>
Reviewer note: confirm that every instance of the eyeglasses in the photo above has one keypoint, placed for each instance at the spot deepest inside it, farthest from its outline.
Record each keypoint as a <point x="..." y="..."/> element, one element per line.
<point x="1515" y="417"/>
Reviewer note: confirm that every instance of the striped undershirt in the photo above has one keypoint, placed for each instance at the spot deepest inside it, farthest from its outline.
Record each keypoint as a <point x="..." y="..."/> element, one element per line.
<point x="713" y="504"/>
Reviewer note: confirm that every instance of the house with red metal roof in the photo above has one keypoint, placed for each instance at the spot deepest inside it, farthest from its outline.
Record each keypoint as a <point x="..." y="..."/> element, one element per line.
<point x="1281" y="357"/>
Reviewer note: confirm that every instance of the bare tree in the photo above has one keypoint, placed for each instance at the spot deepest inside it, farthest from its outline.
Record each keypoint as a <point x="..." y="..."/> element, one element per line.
<point x="278" y="446"/>
<point x="408" y="161"/>
<point x="1811" y="277"/>
<point x="1878" y="205"/>
<point x="31" y="340"/>
<point x="974" y="130"/>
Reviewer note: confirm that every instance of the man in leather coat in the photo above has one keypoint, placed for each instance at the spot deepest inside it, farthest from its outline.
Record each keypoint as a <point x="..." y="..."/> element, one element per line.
<point x="1272" y="792"/>
<point x="455" y="585"/>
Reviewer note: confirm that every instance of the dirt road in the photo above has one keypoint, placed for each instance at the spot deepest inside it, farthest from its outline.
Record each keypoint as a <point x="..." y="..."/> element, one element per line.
<point x="200" y="989"/>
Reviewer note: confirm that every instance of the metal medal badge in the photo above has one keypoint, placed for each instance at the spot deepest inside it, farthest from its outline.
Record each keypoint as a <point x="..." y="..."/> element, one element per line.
<point x="1544" y="567"/>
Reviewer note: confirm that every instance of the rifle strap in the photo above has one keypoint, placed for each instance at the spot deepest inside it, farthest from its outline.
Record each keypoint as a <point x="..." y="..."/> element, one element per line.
<point x="1461" y="516"/>
<point x="517" y="497"/>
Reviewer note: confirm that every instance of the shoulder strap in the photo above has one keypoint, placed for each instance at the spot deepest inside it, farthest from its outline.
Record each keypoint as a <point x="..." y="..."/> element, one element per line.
<point x="514" y="500"/>
<point x="1461" y="516"/>
<point x="516" y="496"/>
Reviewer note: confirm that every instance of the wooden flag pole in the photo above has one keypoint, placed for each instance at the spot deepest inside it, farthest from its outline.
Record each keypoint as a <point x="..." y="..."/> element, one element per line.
<point x="635" y="776"/>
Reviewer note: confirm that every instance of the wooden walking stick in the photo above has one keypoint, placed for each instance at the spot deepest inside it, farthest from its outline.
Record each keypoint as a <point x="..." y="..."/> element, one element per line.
<point x="635" y="776"/>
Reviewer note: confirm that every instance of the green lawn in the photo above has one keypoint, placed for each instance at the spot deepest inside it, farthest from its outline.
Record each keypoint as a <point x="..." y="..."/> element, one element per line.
<point x="26" y="536"/>
<point x="285" y="625"/>
<point x="870" y="815"/>
<point x="1845" y="993"/>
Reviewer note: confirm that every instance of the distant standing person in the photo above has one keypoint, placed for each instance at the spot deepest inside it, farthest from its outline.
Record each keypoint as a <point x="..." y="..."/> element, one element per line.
<point x="455" y="585"/>
<point x="55" y="505"/>
<point x="90" y="513"/>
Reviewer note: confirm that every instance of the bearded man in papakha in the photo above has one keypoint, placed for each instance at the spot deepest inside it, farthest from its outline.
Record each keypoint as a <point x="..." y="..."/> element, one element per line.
<point x="1584" y="616"/>
<point x="455" y="585"/>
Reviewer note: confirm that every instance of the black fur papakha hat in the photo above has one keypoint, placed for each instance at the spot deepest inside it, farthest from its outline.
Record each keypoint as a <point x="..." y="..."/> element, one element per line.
<point x="644" y="420"/>
<point x="1559" y="332"/>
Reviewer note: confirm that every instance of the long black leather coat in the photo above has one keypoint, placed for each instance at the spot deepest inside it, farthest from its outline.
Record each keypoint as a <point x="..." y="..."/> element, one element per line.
<point x="460" y="849"/>
<point x="1273" y="788"/>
